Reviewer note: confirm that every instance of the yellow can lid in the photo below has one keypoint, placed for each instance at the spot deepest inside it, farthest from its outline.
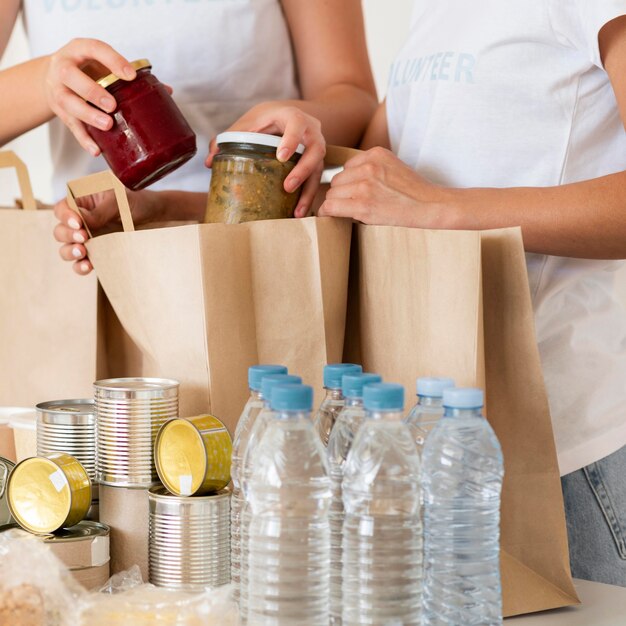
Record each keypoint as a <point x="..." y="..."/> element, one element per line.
<point x="109" y="79"/>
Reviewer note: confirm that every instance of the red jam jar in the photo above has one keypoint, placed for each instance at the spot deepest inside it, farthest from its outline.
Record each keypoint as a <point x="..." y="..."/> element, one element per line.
<point x="150" y="137"/>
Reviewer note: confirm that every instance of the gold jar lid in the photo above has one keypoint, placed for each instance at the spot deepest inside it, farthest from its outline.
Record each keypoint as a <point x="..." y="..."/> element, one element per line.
<point x="109" y="79"/>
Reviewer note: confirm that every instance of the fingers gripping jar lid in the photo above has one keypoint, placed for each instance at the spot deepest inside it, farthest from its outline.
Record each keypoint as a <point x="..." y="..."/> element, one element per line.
<point x="109" y="79"/>
<point x="256" y="139"/>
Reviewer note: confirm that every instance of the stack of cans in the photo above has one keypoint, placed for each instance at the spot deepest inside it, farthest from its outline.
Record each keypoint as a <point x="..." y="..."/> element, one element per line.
<point x="189" y="540"/>
<point x="129" y="413"/>
<point x="69" y="426"/>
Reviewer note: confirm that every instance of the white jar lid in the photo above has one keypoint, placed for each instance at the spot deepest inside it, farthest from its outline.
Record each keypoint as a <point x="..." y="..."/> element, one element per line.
<point x="258" y="139"/>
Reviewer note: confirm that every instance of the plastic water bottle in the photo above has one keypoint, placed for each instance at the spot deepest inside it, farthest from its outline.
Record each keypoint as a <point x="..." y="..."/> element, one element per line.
<point x="255" y="432"/>
<point x="246" y="421"/>
<point x="423" y="417"/>
<point x="382" y="531"/>
<point x="339" y="444"/>
<point x="463" y="473"/>
<point x="289" y="495"/>
<point x="333" y="402"/>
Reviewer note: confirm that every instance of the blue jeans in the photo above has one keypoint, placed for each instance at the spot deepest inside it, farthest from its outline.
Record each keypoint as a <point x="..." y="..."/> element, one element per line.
<point x="595" y="511"/>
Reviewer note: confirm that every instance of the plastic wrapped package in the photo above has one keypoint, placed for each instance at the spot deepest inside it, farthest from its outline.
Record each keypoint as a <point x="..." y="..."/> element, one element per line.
<point x="125" y="600"/>
<point x="36" y="589"/>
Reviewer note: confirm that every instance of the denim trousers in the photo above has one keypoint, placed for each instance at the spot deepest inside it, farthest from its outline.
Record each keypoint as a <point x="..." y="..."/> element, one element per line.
<point x="595" y="511"/>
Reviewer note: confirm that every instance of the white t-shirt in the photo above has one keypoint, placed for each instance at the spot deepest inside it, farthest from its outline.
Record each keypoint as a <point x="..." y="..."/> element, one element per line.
<point x="220" y="56"/>
<point x="503" y="93"/>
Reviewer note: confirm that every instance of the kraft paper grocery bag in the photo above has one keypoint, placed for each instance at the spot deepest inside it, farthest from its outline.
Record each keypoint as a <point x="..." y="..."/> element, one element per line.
<point x="457" y="303"/>
<point x="204" y="302"/>
<point x="48" y="314"/>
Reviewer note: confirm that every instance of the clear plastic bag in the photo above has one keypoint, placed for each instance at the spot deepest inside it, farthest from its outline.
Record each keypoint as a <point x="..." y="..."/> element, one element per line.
<point x="36" y="589"/>
<point x="126" y="600"/>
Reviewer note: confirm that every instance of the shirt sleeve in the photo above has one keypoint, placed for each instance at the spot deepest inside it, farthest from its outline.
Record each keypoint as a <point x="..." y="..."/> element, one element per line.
<point x="577" y="23"/>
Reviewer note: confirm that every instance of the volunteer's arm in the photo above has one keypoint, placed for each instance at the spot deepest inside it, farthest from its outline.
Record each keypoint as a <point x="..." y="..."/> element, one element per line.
<point x="583" y="220"/>
<point x="338" y="92"/>
<point x="35" y="91"/>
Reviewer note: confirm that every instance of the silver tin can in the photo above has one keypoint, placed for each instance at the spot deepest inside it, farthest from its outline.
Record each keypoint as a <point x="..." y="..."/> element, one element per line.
<point x="189" y="540"/>
<point x="6" y="467"/>
<point x="129" y="413"/>
<point x="68" y="426"/>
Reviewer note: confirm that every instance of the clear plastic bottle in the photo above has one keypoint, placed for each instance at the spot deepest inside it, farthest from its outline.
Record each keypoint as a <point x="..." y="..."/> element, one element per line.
<point x="425" y="414"/>
<point x="382" y="531"/>
<point x="255" y="431"/>
<point x="333" y="402"/>
<point x="289" y="496"/>
<point x="463" y="471"/>
<point x="339" y="444"/>
<point x="242" y="433"/>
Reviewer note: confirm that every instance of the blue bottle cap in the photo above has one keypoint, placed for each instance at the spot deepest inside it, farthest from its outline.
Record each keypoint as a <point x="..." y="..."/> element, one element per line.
<point x="256" y="373"/>
<point x="383" y="397"/>
<point x="433" y="387"/>
<point x="292" y="398"/>
<point x="458" y="398"/>
<point x="269" y="382"/>
<point x="334" y="373"/>
<point x="352" y="384"/>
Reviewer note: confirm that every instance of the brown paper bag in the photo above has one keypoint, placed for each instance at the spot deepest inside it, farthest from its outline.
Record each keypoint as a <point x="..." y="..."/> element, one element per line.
<point x="204" y="302"/>
<point x="48" y="314"/>
<point x="457" y="303"/>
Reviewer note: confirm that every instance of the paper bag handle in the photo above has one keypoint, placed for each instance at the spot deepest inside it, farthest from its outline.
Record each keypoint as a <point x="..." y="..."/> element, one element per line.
<point x="97" y="183"/>
<point x="338" y="155"/>
<point x="9" y="159"/>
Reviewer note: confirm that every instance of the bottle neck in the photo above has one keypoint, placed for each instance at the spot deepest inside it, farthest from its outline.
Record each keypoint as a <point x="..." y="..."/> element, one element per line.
<point x="386" y="415"/>
<point x="451" y="412"/>
<point x="354" y="402"/>
<point x="429" y="401"/>
<point x="256" y="396"/>
<point x="293" y="416"/>
<point x="333" y="394"/>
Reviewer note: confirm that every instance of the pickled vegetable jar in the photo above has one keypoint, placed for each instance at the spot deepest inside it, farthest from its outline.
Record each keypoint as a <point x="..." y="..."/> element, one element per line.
<point x="149" y="137"/>
<point x="247" y="182"/>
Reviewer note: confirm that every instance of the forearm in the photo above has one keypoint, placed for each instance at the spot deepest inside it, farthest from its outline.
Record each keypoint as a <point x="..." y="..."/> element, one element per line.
<point x="23" y="104"/>
<point x="173" y="205"/>
<point x="581" y="220"/>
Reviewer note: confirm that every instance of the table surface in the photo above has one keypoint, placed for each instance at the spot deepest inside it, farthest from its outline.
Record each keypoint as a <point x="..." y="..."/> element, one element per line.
<point x="602" y="605"/>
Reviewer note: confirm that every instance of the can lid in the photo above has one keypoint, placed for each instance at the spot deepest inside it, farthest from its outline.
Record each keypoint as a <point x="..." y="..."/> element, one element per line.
<point x="6" y="467"/>
<point x="460" y="398"/>
<point x="79" y="407"/>
<point x="159" y="492"/>
<point x="334" y="372"/>
<point x="256" y="139"/>
<point x="433" y="387"/>
<point x="108" y="79"/>
<point x="136" y="384"/>
<point x="256" y="373"/>
<point x="383" y="397"/>
<point x="269" y="382"/>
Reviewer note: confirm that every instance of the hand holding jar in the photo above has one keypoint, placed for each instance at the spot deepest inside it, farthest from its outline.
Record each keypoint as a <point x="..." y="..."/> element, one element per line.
<point x="69" y="89"/>
<point x="297" y="128"/>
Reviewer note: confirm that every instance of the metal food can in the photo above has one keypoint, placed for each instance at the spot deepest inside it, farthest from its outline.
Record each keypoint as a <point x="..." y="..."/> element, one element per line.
<point x="129" y="413"/>
<point x="189" y="540"/>
<point x="68" y="426"/>
<point x="193" y="455"/>
<point x="6" y="467"/>
<point x="49" y="493"/>
<point x="84" y="549"/>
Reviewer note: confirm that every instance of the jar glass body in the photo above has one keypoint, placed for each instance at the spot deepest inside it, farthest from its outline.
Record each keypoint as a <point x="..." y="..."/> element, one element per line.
<point x="247" y="184"/>
<point x="150" y="136"/>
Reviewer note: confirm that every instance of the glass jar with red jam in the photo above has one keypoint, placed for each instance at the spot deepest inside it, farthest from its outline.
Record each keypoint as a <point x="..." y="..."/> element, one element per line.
<point x="150" y="137"/>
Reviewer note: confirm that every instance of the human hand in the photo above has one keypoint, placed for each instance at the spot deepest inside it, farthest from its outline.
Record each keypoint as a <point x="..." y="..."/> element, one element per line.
<point x="69" y="89"/>
<point x="296" y="127"/>
<point x="376" y="187"/>
<point x="101" y="214"/>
